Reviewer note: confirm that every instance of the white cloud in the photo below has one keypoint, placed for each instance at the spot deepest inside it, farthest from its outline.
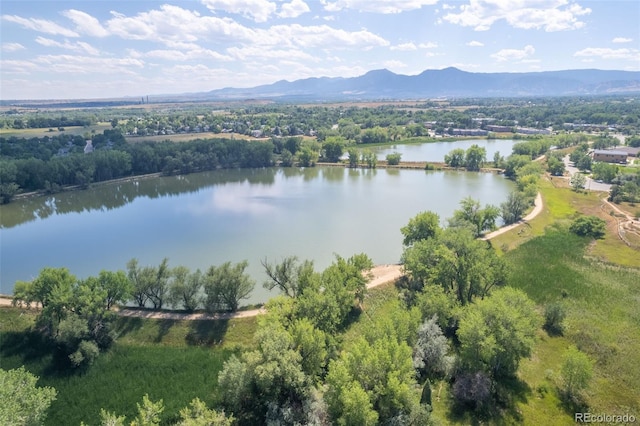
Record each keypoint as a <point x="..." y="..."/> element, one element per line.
<point x="254" y="52"/>
<point x="550" y="15"/>
<point x="40" y="25"/>
<point x="404" y="47"/>
<point x="12" y="47"/>
<point x="257" y="10"/>
<point x="393" y="64"/>
<point x="474" y="43"/>
<point x="79" y="46"/>
<point x="89" y="64"/>
<point x="179" y="55"/>
<point x="607" y="53"/>
<point x="377" y="6"/>
<point x="513" y="54"/>
<point x="293" y="9"/>
<point x="320" y="36"/>
<point x="429" y="45"/>
<point x="173" y="25"/>
<point x="85" y="23"/>
<point x="17" y="67"/>
<point x="622" y="40"/>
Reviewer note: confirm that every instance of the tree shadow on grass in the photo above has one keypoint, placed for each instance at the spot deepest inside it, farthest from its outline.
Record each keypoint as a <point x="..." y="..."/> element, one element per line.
<point x="502" y="409"/>
<point x="126" y="325"/>
<point x="207" y="332"/>
<point x="29" y="346"/>
<point x="164" y="325"/>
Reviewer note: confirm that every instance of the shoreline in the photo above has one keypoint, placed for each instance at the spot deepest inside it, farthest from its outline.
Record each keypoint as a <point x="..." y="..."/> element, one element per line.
<point x="381" y="274"/>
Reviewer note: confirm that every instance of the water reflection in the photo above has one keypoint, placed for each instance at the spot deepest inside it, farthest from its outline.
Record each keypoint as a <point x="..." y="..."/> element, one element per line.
<point x="112" y="196"/>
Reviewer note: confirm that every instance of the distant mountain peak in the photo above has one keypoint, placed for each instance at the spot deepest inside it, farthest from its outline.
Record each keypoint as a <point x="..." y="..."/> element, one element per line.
<point x="446" y="82"/>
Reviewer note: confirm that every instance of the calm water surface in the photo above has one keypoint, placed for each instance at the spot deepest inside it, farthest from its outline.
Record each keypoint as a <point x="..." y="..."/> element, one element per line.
<point x="209" y="218"/>
<point x="435" y="151"/>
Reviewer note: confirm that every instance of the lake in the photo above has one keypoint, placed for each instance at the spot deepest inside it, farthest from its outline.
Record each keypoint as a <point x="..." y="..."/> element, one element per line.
<point x="435" y="151"/>
<point x="209" y="218"/>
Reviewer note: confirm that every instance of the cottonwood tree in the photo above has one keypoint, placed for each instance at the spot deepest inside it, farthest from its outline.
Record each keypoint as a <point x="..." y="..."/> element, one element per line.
<point x="495" y="333"/>
<point x="150" y="284"/>
<point x="420" y="227"/>
<point x="117" y="285"/>
<point x="462" y="265"/>
<point x="475" y="157"/>
<point x="289" y="276"/>
<point x="515" y="206"/>
<point x="471" y="214"/>
<point x="185" y="287"/>
<point x="455" y="158"/>
<point x="23" y="403"/>
<point x="576" y="372"/>
<point x="226" y="285"/>
<point x="267" y="380"/>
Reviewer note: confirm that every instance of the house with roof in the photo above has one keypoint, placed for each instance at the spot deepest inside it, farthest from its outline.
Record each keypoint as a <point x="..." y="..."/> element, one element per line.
<point x="610" y="156"/>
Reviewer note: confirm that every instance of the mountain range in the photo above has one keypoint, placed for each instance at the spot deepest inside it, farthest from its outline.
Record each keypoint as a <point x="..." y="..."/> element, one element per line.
<point x="448" y="82"/>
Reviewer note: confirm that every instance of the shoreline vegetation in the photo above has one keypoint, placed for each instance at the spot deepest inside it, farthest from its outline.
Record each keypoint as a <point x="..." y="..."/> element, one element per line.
<point x="380" y="275"/>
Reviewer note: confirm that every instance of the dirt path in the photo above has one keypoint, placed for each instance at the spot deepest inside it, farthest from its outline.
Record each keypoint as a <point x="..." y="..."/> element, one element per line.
<point x="535" y="212"/>
<point x="382" y="274"/>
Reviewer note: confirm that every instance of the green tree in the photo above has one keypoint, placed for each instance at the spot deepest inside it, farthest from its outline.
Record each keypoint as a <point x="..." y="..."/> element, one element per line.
<point x="289" y="276"/>
<point x="148" y="413"/>
<point x="226" y="285"/>
<point x="267" y="377"/>
<point x="554" y="315"/>
<point x="420" y="227"/>
<point x="383" y="370"/>
<point x="576" y="371"/>
<point x="480" y="219"/>
<point x="455" y="158"/>
<point x="333" y="149"/>
<point x="588" y="226"/>
<point x="475" y="157"/>
<point x="197" y="414"/>
<point x="513" y="209"/>
<point x="498" y="160"/>
<point x="307" y="157"/>
<point x="23" y="403"/>
<point x="394" y="158"/>
<point x="185" y="288"/>
<point x="578" y="181"/>
<point x="369" y="158"/>
<point x="8" y="185"/>
<point x="555" y="166"/>
<point x="584" y="163"/>
<point x="497" y="331"/>
<point x="117" y="286"/>
<point x="605" y="172"/>
<point x="354" y="157"/>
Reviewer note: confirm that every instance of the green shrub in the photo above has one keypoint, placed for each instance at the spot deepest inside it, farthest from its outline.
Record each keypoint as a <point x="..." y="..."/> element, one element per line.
<point x="394" y="159"/>
<point x="588" y="226"/>
<point x="554" y="315"/>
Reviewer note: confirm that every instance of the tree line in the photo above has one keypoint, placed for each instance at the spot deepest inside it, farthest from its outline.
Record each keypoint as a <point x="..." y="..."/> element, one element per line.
<point x="114" y="158"/>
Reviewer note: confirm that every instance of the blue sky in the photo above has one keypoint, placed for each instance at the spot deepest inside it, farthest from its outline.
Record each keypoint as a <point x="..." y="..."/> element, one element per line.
<point x="99" y="49"/>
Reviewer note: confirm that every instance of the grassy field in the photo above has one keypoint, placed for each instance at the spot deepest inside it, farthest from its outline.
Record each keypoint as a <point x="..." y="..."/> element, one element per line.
<point x="40" y="133"/>
<point x="171" y="360"/>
